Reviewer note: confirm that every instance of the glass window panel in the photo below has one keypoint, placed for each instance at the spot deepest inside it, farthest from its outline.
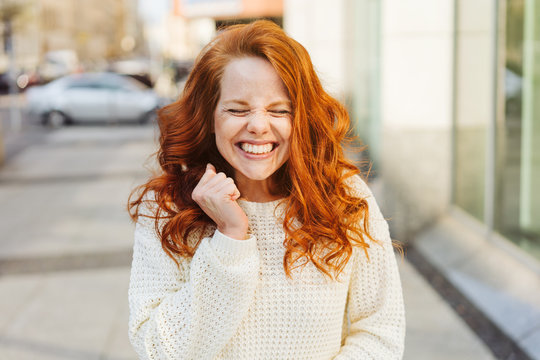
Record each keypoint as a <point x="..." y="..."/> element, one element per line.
<point x="530" y="134"/>
<point x="518" y="144"/>
<point x="474" y="103"/>
<point x="509" y="129"/>
<point x="363" y="68"/>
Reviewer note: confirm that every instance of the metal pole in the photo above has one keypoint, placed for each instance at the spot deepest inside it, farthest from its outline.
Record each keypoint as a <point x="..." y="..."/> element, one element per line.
<point x="454" y="130"/>
<point x="2" y="151"/>
<point x="14" y="111"/>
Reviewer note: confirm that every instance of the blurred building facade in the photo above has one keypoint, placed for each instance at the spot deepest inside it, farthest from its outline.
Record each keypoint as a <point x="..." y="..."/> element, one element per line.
<point x="446" y="94"/>
<point x="229" y="9"/>
<point x="87" y="33"/>
<point x="193" y="23"/>
<point x="190" y="25"/>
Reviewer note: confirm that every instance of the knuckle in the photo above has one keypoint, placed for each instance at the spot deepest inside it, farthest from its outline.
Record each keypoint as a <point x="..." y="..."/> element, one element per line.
<point x="195" y="195"/>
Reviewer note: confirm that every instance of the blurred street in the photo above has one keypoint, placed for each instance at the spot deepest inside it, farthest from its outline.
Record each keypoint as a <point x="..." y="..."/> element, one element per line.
<point x="66" y="243"/>
<point x="19" y="133"/>
<point x="65" y="252"/>
<point x="444" y="95"/>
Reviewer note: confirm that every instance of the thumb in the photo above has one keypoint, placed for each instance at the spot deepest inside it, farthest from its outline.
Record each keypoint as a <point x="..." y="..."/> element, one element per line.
<point x="211" y="168"/>
<point x="236" y="195"/>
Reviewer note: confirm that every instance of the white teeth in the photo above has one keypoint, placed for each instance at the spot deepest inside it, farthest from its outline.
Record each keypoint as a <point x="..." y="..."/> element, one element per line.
<point x="256" y="149"/>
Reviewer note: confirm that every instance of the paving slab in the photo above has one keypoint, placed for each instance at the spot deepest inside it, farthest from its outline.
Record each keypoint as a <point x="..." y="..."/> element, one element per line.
<point x="66" y="315"/>
<point x="66" y="237"/>
<point x="434" y="331"/>
<point x="503" y="288"/>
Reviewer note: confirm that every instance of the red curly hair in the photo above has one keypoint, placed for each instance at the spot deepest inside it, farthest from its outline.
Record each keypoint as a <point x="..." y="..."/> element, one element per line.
<point x="312" y="181"/>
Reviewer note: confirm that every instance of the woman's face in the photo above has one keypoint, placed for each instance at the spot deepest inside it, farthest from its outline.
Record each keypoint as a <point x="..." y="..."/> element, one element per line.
<point x="252" y="120"/>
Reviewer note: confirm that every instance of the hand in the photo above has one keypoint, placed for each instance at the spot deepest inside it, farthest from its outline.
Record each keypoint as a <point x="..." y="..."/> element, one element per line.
<point x="216" y="194"/>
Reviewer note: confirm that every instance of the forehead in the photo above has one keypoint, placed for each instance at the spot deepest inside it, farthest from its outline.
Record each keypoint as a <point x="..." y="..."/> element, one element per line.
<point x="251" y="76"/>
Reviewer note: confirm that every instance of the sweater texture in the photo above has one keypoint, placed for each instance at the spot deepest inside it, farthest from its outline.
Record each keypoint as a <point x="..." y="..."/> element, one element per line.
<point x="232" y="300"/>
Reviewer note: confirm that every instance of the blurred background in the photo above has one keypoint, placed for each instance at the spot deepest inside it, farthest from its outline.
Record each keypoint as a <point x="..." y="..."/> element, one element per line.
<point x="445" y="94"/>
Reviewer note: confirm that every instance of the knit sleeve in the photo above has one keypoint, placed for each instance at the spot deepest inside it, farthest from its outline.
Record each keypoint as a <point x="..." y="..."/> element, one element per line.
<point x="375" y="301"/>
<point x="192" y="310"/>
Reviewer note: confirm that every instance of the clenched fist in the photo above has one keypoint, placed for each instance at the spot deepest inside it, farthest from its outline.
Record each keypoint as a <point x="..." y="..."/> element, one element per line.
<point x="216" y="194"/>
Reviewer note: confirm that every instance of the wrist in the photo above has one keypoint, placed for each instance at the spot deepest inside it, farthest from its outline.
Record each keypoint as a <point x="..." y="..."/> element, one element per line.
<point x="234" y="233"/>
<point x="229" y="249"/>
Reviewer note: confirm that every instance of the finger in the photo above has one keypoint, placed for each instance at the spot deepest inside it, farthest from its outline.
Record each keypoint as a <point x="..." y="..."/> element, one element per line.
<point x="230" y="191"/>
<point x="209" y="187"/>
<point x="236" y="195"/>
<point x="227" y="186"/>
<point x="208" y="174"/>
<point x="216" y="182"/>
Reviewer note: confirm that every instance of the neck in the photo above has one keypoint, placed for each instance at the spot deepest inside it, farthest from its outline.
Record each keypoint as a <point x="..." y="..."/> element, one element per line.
<point x="256" y="190"/>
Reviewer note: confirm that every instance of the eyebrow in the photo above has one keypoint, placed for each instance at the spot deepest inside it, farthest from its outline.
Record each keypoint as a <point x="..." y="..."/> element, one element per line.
<point x="242" y="102"/>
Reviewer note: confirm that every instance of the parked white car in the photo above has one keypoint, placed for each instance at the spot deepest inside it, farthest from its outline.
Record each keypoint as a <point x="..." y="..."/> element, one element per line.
<point x="100" y="97"/>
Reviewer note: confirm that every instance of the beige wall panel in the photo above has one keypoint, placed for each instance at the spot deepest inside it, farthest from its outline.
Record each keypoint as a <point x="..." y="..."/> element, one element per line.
<point x="319" y="25"/>
<point x="475" y="16"/>
<point x="254" y="8"/>
<point x="417" y="82"/>
<point x="416" y="107"/>
<point x="474" y="79"/>
<point x="418" y="16"/>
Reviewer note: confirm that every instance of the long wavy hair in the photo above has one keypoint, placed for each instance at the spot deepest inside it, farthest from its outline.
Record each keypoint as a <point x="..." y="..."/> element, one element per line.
<point x="323" y="220"/>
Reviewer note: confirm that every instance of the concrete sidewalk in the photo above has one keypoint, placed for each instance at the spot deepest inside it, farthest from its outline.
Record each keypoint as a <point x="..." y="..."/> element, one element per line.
<point x="65" y="250"/>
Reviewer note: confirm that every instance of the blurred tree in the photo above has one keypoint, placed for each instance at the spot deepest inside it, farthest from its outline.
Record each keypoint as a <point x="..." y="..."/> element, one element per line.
<point x="514" y="35"/>
<point x="9" y="10"/>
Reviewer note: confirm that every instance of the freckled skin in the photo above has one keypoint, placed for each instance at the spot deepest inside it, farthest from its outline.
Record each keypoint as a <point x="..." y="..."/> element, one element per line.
<point x="253" y="108"/>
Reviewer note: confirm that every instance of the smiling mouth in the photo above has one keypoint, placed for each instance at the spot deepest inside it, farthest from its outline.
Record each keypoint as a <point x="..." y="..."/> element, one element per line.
<point x="257" y="149"/>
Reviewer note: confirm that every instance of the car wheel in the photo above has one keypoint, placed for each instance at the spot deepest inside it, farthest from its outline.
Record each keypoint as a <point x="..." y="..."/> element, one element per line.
<point x="56" y="119"/>
<point x="149" y="117"/>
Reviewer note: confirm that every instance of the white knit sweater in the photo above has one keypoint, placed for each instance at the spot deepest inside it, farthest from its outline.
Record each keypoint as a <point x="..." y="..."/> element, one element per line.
<point x="232" y="300"/>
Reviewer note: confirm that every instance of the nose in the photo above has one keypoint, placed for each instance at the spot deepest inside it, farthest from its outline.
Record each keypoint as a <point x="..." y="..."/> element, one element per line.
<point x="258" y="122"/>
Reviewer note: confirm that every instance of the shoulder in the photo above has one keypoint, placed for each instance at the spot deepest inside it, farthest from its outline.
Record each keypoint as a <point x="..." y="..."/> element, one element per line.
<point x="377" y="223"/>
<point x="149" y="206"/>
<point x="148" y="210"/>
<point x="147" y="236"/>
<point x="153" y="219"/>
<point x="357" y="187"/>
<point x="148" y="203"/>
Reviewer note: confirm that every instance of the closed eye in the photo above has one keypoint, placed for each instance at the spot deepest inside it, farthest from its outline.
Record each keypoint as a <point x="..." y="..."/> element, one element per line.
<point x="280" y="112"/>
<point x="238" y="111"/>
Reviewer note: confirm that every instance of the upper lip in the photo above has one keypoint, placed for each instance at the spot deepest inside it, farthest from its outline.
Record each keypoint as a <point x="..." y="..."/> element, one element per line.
<point x="257" y="142"/>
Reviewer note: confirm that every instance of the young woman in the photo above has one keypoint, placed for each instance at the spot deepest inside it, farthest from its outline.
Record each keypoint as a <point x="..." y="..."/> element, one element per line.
<point x="258" y="240"/>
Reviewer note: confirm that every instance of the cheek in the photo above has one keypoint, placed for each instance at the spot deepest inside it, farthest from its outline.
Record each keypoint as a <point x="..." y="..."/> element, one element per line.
<point x="224" y="131"/>
<point x="219" y="127"/>
<point x="285" y="130"/>
<point x="222" y="143"/>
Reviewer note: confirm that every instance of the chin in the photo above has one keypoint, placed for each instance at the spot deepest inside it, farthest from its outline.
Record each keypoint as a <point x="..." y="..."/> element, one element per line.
<point x="257" y="174"/>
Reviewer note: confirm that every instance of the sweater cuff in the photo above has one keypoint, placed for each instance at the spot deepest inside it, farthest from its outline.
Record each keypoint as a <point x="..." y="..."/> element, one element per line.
<point x="223" y="244"/>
